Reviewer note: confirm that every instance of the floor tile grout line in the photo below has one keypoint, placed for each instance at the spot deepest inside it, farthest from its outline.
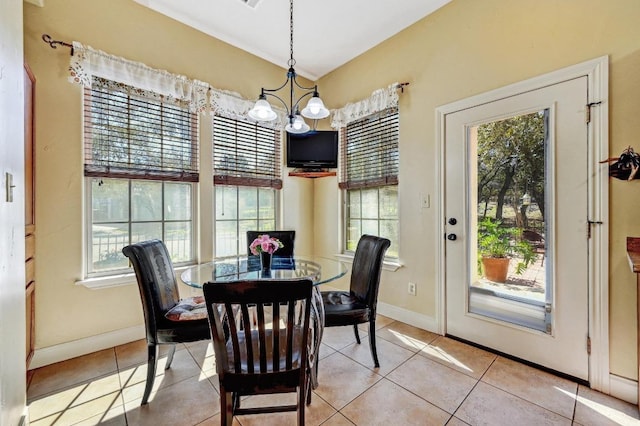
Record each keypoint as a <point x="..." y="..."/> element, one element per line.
<point x="520" y="397"/>
<point x="415" y="394"/>
<point x="525" y="400"/>
<point x="478" y="380"/>
<point x="575" y="404"/>
<point x="121" y="390"/>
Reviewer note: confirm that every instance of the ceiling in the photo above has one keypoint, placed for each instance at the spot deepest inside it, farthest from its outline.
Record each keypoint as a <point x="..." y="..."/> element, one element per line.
<point x="327" y="33"/>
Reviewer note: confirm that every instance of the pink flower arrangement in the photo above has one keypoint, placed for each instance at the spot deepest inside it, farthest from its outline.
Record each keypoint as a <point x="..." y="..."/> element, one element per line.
<point x="265" y="243"/>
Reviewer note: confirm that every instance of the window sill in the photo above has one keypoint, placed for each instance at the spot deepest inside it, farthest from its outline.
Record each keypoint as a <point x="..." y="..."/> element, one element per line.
<point x="109" y="281"/>
<point x="386" y="264"/>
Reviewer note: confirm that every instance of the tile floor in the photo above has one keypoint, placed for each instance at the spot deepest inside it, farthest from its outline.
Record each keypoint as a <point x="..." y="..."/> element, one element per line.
<point x="424" y="379"/>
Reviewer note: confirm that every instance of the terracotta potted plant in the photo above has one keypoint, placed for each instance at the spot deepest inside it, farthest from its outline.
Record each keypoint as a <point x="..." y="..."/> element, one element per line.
<point x="497" y="245"/>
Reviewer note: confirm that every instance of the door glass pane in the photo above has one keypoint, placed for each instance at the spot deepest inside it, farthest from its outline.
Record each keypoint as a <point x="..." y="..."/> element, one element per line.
<point x="510" y="282"/>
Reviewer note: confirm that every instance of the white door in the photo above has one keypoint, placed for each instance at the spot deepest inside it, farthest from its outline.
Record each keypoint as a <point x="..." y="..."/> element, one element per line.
<point x="538" y="190"/>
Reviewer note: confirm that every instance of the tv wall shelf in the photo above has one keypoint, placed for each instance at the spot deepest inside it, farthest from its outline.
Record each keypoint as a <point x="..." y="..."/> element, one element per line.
<point x="311" y="174"/>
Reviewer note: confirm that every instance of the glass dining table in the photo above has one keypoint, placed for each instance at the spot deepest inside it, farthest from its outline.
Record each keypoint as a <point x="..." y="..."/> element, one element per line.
<point x="320" y="270"/>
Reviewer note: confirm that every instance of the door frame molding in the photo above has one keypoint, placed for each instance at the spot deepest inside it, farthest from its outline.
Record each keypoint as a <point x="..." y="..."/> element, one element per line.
<point x="597" y="72"/>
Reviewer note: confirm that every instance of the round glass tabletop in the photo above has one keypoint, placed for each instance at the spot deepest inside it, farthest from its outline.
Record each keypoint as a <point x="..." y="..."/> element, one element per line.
<point x="320" y="270"/>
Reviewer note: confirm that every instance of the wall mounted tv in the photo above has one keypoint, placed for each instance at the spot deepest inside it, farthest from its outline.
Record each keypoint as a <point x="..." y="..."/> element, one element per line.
<point x="317" y="149"/>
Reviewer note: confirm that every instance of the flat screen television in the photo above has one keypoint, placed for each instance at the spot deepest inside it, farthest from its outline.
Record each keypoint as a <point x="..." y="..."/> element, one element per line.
<point x="317" y="149"/>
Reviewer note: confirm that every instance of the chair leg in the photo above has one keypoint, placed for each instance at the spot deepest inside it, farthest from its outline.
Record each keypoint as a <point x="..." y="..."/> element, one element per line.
<point x="372" y="342"/>
<point x="152" y="351"/>
<point x="235" y="401"/>
<point x="355" y="331"/>
<point x="308" y="390"/>
<point x="302" y="395"/>
<point x="170" y="357"/>
<point x="226" y="407"/>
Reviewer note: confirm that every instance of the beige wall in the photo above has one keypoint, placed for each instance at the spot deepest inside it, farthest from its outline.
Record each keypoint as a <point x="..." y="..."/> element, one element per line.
<point x="469" y="47"/>
<point x="67" y="312"/>
<point x="466" y="48"/>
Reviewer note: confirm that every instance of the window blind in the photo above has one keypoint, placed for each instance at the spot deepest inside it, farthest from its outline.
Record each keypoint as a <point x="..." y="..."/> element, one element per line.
<point x="134" y="134"/>
<point x="369" y="151"/>
<point x="245" y="154"/>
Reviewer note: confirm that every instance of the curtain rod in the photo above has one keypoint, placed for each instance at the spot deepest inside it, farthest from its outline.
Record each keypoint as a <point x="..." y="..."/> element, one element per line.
<point x="53" y="43"/>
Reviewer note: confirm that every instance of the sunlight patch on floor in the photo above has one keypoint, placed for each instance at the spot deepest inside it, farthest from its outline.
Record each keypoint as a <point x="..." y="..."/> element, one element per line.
<point x="610" y="413"/>
<point x="409" y="341"/>
<point x="446" y="357"/>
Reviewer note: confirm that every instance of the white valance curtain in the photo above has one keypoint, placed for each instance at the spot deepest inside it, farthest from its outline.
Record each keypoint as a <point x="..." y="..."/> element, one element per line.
<point x="232" y="105"/>
<point x="87" y="62"/>
<point x="379" y="100"/>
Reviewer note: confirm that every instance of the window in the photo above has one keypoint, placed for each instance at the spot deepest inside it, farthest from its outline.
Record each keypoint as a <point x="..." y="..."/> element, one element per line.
<point x="247" y="177"/>
<point x="141" y="165"/>
<point x="369" y="176"/>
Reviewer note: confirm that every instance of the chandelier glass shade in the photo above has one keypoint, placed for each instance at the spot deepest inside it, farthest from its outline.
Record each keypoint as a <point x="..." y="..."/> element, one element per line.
<point x="314" y="109"/>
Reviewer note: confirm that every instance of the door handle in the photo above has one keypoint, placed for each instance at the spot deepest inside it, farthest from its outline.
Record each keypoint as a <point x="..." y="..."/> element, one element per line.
<point x="452" y="237"/>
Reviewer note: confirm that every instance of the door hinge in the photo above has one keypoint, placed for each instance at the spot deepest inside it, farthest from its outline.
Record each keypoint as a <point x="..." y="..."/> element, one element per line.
<point x="587" y="111"/>
<point x="590" y="223"/>
<point x="547" y="317"/>
<point x="588" y="345"/>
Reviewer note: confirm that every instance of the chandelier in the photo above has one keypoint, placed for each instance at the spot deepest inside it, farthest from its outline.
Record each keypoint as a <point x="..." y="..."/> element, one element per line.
<point x="315" y="108"/>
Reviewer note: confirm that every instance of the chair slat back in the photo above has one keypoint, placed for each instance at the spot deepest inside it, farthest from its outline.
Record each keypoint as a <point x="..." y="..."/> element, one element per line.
<point x="259" y="327"/>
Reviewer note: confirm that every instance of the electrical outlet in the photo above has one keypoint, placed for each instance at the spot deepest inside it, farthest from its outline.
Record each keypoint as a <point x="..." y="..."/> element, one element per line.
<point x="411" y="289"/>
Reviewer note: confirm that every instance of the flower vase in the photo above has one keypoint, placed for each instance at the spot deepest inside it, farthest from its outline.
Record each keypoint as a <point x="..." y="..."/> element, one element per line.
<point x="265" y="263"/>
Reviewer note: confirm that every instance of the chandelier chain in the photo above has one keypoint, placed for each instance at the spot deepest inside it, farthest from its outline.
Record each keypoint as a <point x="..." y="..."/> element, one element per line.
<point x="292" y="61"/>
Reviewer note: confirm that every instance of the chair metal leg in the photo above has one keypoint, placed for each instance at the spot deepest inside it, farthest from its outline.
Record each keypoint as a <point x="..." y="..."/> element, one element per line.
<point x="372" y="342"/>
<point x="152" y="351"/>
<point x="170" y="356"/>
<point x="355" y="331"/>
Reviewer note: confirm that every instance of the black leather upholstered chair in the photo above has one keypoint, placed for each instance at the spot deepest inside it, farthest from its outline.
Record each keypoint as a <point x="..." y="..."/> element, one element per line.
<point x="287" y="238"/>
<point x="358" y="305"/>
<point x="260" y="332"/>
<point x="168" y="319"/>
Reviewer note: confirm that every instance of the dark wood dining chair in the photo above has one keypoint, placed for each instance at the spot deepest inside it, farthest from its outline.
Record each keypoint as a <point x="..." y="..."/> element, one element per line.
<point x="168" y="319"/>
<point x="260" y="332"/>
<point x="358" y="305"/>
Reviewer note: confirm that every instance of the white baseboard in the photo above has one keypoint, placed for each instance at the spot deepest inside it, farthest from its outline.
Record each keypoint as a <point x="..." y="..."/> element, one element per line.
<point x="408" y="317"/>
<point x="623" y="388"/>
<point x="68" y="350"/>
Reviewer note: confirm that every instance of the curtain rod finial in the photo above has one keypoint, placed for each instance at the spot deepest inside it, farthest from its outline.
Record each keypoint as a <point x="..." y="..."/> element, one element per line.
<point x="53" y="43"/>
